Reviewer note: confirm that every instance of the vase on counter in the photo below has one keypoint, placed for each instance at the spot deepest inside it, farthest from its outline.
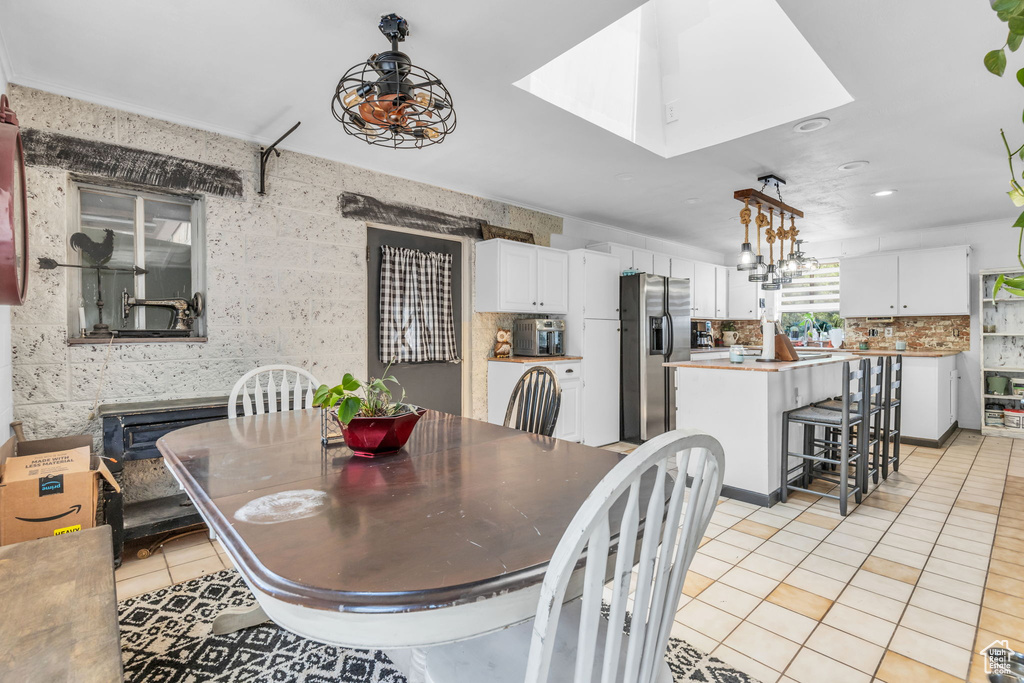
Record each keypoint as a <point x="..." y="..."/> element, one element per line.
<point x="836" y="336"/>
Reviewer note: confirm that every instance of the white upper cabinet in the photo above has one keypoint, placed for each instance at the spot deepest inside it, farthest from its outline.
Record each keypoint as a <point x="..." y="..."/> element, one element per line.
<point x="594" y="287"/>
<point x="662" y="265"/>
<point x="552" y="281"/>
<point x="935" y="282"/>
<point x="910" y="283"/>
<point x="702" y="290"/>
<point x="643" y="261"/>
<point x="512" y="277"/>
<point x="721" y="292"/>
<point x="743" y="296"/>
<point x="868" y="286"/>
<point x="684" y="269"/>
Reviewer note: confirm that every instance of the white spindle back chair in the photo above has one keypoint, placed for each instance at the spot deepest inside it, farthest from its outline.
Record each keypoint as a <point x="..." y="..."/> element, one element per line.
<point x="262" y="394"/>
<point x="575" y="643"/>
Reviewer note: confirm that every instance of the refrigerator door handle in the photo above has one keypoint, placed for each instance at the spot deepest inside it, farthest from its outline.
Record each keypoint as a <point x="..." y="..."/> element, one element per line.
<point x="671" y="345"/>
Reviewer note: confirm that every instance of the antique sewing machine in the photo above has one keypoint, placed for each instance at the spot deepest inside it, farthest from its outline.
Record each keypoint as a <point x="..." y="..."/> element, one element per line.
<point x="185" y="310"/>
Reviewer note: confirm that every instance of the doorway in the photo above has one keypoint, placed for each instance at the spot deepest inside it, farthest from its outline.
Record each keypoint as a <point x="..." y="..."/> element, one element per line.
<point x="433" y="384"/>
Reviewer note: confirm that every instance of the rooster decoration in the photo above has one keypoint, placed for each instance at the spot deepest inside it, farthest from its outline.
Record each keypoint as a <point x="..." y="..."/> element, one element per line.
<point x="98" y="253"/>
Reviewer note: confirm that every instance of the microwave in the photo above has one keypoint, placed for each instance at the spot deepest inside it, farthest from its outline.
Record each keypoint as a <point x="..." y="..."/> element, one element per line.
<point x="538" y="337"/>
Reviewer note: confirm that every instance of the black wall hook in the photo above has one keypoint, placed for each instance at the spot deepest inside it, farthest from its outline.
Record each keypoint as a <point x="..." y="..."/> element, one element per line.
<point x="265" y="154"/>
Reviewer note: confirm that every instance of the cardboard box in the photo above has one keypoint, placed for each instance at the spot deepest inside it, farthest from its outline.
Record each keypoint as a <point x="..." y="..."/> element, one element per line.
<point x="49" y="487"/>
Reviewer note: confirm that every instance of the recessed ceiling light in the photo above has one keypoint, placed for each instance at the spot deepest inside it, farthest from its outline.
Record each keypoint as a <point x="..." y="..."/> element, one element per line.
<point x="884" y="193"/>
<point x="811" y="125"/>
<point x="625" y="177"/>
<point x="853" y="165"/>
<point x="693" y="200"/>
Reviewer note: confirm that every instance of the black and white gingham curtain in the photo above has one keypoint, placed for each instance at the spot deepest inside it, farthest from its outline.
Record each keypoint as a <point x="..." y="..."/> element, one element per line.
<point x="416" y="319"/>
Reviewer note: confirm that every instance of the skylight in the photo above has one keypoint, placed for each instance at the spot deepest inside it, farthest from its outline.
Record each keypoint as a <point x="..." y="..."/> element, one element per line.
<point x="728" y="68"/>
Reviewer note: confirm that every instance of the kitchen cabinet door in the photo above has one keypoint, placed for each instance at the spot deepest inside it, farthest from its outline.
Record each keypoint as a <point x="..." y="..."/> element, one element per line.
<point x="702" y="290"/>
<point x="552" y="281"/>
<point x="517" y="277"/>
<point x="643" y="261"/>
<point x="600" y="382"/>
<point x="569" y="412"/>
<point x="869" y="286"/>
<point x="933" y="282"/>
<point x="600" y="286"/>
<point x="743" y="297"/>
<point x="662" y="265"/>
<point x="683" y="269"/>
<point x="721" y="292"/>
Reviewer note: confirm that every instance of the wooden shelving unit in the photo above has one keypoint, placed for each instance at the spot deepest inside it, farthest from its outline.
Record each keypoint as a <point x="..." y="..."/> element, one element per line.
<point x="1002" y="351"/>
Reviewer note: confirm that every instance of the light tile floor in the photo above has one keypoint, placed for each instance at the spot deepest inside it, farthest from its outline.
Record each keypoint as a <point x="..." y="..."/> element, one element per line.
<point x="924" y="573"/>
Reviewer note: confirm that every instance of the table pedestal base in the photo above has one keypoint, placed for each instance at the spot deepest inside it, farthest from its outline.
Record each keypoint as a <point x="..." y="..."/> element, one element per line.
<point x="236" y="618"/>
<point x="412" y="662"/>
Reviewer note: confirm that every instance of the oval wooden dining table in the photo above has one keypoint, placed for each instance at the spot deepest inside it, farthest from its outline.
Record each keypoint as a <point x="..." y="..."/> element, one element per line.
<point x="445" y="540"/>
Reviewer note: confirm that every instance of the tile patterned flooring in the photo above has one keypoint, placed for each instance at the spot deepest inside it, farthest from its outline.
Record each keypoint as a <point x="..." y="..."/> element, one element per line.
<point x="924" y="573"/>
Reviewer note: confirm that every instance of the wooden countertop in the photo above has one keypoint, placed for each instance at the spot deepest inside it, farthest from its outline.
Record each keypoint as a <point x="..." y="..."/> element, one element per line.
<point x="936" y="353"/>
<point x="750" y="364"/>
<point x="534" y="359"/>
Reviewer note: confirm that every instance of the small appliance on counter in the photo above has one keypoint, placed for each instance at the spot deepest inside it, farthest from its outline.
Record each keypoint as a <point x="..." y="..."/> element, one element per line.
<point x="539" y="337"/>
<point x="700" y="335"/>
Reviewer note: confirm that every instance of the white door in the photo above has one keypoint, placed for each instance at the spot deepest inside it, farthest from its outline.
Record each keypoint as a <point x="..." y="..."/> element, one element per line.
<point x="600" y="382"/>
<point x="702" y="289"/>
<point x="568" y="425"/>
<point x="743" y="296"/>
<point x="601" y="286"/>
<point x="643" y="261"/>
<point x="933" y="282"/>
<point x="721" y="292"/>
<point x="684" y="269"/>
<point x="517" y="278"/>
<point x="552" y="281"/>
<point x="868" y="286"/>
<point x="662" y="265"/>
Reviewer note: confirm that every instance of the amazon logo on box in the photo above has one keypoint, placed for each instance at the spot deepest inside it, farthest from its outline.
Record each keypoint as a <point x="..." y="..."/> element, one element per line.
<point x="48" y="487"/>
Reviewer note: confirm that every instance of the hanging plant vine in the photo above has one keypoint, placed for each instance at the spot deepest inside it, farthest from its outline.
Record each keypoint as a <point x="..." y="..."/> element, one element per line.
<point x="1010" y="12"/>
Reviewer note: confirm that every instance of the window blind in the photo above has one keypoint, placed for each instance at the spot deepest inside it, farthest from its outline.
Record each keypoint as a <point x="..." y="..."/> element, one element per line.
<point x="815" y="291"/>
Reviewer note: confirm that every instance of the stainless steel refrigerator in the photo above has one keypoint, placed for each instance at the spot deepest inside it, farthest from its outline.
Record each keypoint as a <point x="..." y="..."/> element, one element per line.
<point x="655" y="322"/>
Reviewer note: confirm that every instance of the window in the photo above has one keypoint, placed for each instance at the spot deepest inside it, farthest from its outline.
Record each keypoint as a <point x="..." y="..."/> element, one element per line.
<point x="149" y="245"/>
<point x="816" y="293"/>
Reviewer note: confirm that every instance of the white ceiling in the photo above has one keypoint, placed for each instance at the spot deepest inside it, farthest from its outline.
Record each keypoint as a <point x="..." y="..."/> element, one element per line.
<point x="925" y="113"/>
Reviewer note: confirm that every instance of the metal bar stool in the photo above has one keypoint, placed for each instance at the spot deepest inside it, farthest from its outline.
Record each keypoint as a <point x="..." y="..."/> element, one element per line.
<point x="851" y="448"/>
<point x="892" y="413"/>
<point x="876" y="424"/>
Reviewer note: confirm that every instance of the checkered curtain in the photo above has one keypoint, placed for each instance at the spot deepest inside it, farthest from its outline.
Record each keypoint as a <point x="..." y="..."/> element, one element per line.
<point x="416" y="319"/>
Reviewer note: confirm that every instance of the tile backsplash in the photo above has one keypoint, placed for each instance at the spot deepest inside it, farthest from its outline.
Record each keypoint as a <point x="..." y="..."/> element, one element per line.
<point x="948" y="332"/>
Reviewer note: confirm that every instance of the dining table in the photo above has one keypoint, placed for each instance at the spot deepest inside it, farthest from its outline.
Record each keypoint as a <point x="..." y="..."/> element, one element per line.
<point x="447" y="539"/>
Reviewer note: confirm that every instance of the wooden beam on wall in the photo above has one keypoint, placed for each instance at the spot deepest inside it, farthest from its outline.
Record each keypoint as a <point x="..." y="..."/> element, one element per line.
<point x="125" y="164"/>
<point x="362" y="207"/>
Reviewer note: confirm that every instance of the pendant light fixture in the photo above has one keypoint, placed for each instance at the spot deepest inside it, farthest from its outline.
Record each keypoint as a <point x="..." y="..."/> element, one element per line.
<point x="759" y="273"/>
<point x="771" y="283"/>
<point x="747" y="259"/>
<point x="782" y="268"/>
<point x="389" y="101"/>
<point x="794" y="266"/>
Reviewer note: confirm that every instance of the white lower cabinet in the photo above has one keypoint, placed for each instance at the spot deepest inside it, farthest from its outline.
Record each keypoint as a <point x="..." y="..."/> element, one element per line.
<point x="929" y="397"/>
<point x="501" y="380"/>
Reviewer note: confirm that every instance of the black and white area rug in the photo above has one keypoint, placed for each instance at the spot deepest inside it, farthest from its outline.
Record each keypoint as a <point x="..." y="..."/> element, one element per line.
<point x="165" y="638"/>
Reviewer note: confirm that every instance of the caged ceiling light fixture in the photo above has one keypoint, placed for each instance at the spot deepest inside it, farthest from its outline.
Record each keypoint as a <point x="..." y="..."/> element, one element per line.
<point x="389" y="101"/>
<point x="773" y="275"/>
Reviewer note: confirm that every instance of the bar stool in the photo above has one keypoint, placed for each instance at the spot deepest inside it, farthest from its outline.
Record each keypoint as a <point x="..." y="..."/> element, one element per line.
<point x="892" y="413"/>
<point x="876" y="424"/>
<point x="850" y="447"/>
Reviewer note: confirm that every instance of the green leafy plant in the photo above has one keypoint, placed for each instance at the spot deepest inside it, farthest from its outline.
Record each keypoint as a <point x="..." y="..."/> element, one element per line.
<point x="1010" y="12"/>
<point x="822" y="326"/>
<point x="728" y="326"/>
<point x="355" y="398"/>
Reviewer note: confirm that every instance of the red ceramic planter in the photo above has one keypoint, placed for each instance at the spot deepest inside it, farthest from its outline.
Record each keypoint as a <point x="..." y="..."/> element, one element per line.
<point x="370" y="437"/>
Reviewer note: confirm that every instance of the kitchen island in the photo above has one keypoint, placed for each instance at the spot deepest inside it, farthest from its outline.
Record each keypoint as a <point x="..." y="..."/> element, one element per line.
<point x="741" y="405"/>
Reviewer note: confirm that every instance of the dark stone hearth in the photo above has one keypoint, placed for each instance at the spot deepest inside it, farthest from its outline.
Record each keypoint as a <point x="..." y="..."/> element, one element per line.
<point x="129" y="165"/>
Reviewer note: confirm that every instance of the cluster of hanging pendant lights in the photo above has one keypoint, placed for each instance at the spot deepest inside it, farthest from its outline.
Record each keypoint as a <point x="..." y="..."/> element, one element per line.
<point x="771" y="275"/>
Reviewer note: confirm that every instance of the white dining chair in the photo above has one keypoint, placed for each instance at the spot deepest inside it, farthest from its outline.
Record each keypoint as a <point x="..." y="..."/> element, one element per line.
<point x="573" y="642"/>
<point x="268" y="395"/>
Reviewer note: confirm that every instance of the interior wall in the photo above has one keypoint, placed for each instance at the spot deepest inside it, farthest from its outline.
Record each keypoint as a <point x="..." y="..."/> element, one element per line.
<point x="992" y="244"/>
<point x="286" y="278"/>
<point x="577" y="234"/>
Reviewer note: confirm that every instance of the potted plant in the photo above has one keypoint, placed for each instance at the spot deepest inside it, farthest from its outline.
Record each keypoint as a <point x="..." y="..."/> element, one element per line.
<point x="729" y="334"/>
<point x="365" y="416"/>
